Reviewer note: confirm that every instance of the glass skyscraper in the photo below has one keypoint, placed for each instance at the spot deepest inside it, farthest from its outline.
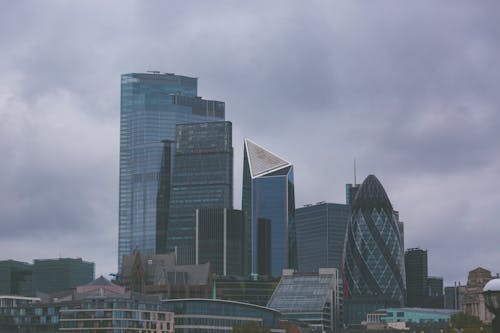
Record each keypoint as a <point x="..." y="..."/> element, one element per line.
<point x="416" y="273"/>
<point x="202" y="177"/>
<point x="152" y="104"/>
<point x="373" y="257"/>
<point x="320" y="235"/>
<point x="268" y="203"/>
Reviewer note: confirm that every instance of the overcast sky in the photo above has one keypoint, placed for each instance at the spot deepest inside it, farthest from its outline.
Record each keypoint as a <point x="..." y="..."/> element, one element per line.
<point x="411" y="89"/>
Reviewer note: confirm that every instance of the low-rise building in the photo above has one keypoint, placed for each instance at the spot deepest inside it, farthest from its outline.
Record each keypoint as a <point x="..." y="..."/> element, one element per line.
<point x="474" y="303"/>
<point x="313" y="298"/>
<point x="214" y="316"/>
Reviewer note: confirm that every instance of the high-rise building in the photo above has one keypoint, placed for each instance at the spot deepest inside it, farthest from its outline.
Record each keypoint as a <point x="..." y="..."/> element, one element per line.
<point x="16" y="278"/>
<point x="454" y="297"/>
<point x="268" y="203"/>
<point x="202" y="177"/>
<point x="220" y="239"/>
<point x="350" y="193"/>
<point x="53" y="275"/>
<point x="416" y="275"/>
<point x="152" y="104"/>
<point x="320" y="235"/>
<point x="373" y="258"/>
<point x="434" y="298"/>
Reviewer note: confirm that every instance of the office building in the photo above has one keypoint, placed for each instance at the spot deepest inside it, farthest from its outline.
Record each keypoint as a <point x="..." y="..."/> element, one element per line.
<point x="313" y="298"/>
<point x="53" y="275"/>
<point x="373" y="262"/>
<point x="152" y="104"/>
<point x="202" y="178"/>
<point x="16" y="278"/>
<point x="320" y="235"/>
<point x="350" y="192"/>
<point x="246" y="290"/>
<point x="220" y="239"/>
<point x="434" y="298"/>
<point x="454" y="297"/>
<point x="416" y="274"/>
<point x="218" y="316"/>
<point x="268" y="203"/>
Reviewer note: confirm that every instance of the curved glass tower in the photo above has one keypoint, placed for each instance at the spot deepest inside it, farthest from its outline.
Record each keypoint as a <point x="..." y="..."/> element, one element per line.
<point x="373" y="257"/>
<point x="268" y="203"/>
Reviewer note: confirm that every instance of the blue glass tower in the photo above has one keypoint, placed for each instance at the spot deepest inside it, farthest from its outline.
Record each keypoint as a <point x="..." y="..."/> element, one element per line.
<point x="373" y="257"/>
<point x="268" y="203"/>
<point x="152" y="104"/>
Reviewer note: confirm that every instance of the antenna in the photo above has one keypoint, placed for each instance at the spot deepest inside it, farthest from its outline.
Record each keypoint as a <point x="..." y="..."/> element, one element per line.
<point x="355" y="172"/>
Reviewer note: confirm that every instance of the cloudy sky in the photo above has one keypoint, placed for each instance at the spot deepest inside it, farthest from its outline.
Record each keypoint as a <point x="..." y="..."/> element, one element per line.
<point x="409" y="89"/>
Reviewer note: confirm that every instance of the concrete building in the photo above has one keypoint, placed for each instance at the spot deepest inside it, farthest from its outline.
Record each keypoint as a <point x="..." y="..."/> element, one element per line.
<point x="454" y="297"/>
<point x="474" y="303"/>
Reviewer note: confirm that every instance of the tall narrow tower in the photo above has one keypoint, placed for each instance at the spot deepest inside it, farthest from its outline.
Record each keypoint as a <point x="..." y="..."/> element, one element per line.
<point x="268" y="203"/>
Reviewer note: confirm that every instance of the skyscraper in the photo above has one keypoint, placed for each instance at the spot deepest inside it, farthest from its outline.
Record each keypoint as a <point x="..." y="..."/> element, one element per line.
<point x="152" y="104"/>
<point x="202" y="178"/>
<point x="416" y="275"/>
<point x="220" y="239"/>
<point x="320" y="235"/>
<point x="373" y="260"/>
<point x="268" y="203"/>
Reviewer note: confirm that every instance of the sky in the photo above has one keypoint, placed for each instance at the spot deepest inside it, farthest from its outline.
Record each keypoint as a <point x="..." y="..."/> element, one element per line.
<point x="410" y="89"/>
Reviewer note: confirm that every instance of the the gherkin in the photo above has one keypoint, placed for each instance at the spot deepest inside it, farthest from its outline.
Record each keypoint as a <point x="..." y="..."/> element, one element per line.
<point x="373" y="257"/>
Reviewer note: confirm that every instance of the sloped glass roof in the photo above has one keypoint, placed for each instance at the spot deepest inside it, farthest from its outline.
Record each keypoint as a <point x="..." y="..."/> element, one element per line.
<point x="262" y="161"/>
<point x="302" y="293"/>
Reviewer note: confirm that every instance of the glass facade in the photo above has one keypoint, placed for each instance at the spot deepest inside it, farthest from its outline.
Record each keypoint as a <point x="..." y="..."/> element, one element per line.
<point x="320" y="235"/>
<point x="219" y="240"/>
<point x="210" y="316"/>
<point x="256" y="292"/>
<point x="268" y="197"/>
<point x="152" y="104"/>
<point x="373" y="257"/>
<point x="202" y="178"/>
<point x="313" y="298"/>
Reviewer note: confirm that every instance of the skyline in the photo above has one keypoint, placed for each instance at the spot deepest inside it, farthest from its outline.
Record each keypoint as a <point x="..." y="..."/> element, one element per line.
<point x="409" y="91"/>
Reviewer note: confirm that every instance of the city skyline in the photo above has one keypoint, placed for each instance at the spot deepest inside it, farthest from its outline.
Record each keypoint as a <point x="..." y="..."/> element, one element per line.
<point x="409" y="91"/>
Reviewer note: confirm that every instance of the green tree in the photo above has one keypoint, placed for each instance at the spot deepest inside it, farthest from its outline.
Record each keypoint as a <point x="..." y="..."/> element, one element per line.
<point x="250" y="327"/>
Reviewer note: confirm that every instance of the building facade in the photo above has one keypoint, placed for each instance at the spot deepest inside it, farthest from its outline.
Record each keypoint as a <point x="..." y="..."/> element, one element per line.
<point x="214" y="316"/>
<point x="16" y="278"/>
<point x="247" y="290"/>
<point x="220" y="239"/>
<point x="320" y="235"/>
<point x="268" y="204"/>
<point x="53" y="275"/>
<point x="373" y="260"/>
<point x="474" y="302"/>
<point x="160" y="275"/>
<point x="434" y="298"/>
<point x="202" y="178"/>
<point x="152" y="104"/>
<point x="454" y="297"/>
<point x="313" y="298"/>
<point x="416" y="274"/>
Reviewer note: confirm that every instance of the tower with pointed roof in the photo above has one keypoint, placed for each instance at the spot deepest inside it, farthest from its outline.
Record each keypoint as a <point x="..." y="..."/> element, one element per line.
<point x="268" y="203"/>
<point x="373" y="257"/>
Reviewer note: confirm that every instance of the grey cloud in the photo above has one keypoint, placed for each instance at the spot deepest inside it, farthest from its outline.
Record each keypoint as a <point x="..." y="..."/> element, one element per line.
<point x="409" y="90"/>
